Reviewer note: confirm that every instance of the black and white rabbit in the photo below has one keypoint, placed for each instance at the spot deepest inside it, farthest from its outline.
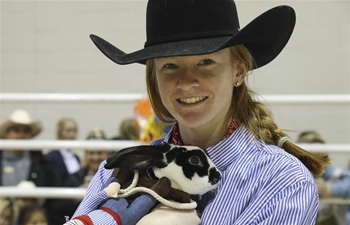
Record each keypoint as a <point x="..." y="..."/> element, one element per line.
<point x="188" y="167"/>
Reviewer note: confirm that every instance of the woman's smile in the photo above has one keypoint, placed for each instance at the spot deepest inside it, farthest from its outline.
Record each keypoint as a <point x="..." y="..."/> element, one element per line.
<point x="192" y="100"/>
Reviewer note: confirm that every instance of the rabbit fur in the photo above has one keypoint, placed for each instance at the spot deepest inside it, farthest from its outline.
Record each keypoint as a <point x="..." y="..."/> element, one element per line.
<point x="188" y="167"/>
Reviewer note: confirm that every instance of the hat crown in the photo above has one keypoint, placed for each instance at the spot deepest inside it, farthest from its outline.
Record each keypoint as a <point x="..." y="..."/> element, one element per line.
<point x="21" y="117"/>
<point x="177" y="20"/>
<point x="25" y="184"/>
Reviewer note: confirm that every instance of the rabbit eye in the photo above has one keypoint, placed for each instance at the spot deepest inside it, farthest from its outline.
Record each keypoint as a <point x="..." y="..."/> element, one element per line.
<point x="194" y="160"/>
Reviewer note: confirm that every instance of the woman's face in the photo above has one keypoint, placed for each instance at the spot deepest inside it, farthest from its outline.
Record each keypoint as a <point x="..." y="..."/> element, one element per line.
<point x="197" y="90"/>
<point x="94" y="158"/>
<point x="69" y="131"/>
<point x="18" y="132"/>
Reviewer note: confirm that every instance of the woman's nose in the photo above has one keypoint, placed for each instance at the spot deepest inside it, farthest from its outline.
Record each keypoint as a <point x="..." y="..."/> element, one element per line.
<point x="187" y="80"/>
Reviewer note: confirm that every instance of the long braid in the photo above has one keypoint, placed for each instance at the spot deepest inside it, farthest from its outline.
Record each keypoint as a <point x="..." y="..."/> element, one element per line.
<point x="256" y="118"/>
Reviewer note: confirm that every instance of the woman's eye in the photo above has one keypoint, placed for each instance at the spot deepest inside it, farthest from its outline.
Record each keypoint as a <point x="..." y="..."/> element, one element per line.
<point x="206" y="62"/>
<point x="170" y="66"/>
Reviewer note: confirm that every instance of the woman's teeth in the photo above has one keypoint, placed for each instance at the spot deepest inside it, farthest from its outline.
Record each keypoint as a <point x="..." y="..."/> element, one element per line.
<point x="191" y="100"/>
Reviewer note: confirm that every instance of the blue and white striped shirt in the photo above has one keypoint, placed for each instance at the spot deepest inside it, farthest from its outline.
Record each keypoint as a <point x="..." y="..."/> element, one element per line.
<point x="261" y="184"/>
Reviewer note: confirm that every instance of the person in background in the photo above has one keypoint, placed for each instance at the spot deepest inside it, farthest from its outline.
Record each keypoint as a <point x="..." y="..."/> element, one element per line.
<point x="128" y="130"/>
<point x="33" y="215"/>
<point x="17" y="164"/>
<point x="92" y="161"/>
<point x="65" y="161"/>
<point x="81" y="178"/>
<point x="7" y="212"/>
<point x="197" y="60"/>
<point x="335" y="182"/>
<point x="21" y="203"/>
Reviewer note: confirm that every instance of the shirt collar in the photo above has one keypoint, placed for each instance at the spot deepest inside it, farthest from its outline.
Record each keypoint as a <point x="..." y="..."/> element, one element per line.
<point x="226" y="151"/>
<point x="176" y="139"/>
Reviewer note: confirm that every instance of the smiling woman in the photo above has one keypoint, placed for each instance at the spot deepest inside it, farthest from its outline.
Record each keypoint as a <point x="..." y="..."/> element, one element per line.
<point x="193" y="89"/>
<point x="196" y="67"/>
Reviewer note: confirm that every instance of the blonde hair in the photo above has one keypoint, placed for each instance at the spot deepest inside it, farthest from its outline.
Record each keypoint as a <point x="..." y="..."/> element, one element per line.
<point x="245" y="110"/>
<point x="96" y="133"/>
<point x="129" y="129"/>
<point x="60" y="126"/>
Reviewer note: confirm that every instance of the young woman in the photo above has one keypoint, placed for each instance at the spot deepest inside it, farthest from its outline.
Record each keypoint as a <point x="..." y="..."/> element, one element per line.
<point x="197" y="59"/>
<point x="65" y="161"/>
<point x="91" y="162"/>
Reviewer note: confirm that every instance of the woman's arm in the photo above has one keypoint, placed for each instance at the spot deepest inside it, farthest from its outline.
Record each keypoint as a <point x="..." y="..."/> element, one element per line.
<point x="94" y="195"/>
<point x="294" y="205"/>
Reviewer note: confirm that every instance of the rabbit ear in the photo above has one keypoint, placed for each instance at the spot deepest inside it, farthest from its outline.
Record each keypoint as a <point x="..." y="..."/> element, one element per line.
<point x="138" y="157"/>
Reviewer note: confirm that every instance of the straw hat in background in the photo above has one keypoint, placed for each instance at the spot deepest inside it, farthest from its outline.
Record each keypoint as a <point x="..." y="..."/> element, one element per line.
<point x="20" y="117"/>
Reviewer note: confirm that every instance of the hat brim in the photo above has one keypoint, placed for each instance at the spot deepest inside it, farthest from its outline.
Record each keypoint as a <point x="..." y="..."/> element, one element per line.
<point x="264" y="37"/>
<point x="36" y="128"/>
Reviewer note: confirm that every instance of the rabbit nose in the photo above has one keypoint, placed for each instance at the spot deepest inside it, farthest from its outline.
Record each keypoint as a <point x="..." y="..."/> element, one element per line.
<point x="214" y="176"/>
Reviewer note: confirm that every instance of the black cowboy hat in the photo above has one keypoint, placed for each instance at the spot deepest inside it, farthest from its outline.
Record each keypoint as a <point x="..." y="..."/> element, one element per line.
<point x="194" y="27"/>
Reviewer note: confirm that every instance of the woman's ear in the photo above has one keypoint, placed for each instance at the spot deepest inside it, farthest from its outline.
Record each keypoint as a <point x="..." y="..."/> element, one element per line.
<point x="241" y="72"/>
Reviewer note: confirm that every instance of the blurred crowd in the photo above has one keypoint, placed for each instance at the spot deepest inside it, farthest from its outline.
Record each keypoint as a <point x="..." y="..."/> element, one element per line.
<point x="335" y="182"/>
<point x="64" y="168"/>
<point x="59" y="167"/>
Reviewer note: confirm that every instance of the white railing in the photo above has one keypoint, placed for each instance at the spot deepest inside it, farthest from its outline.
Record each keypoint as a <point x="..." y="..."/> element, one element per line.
<point x="117" y="145"/>
<point x="42" y="192"/>
<point x="342" y="99"/>
<point x="55" y="97"/>
<point x="337" y="201"/>
<point x="328" y="148"/>
<point x="306" y="99"/>
<point x="48" y="144"/>
<point x="78" y="193"/>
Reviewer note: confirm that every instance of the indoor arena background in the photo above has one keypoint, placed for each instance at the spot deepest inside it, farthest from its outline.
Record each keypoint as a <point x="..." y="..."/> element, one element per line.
<point x="45" y="48"/>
